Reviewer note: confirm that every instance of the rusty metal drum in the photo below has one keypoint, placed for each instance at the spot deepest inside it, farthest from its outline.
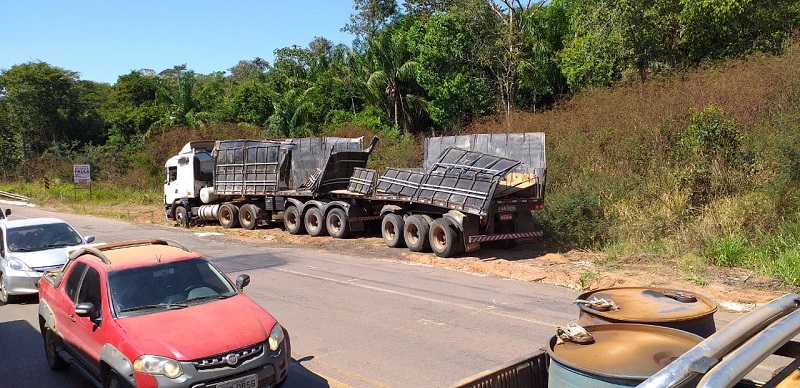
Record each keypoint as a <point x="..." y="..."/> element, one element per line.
<point x="621" y="355"/>
<point x="666" y="307"/>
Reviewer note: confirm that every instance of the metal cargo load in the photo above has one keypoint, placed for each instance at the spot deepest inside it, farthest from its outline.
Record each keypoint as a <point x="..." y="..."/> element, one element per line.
<point x="463" y="180"/>
<point x="527" y="179"/>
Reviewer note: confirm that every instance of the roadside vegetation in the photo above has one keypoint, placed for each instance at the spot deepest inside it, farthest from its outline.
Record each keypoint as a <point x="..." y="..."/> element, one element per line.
<point x="668" y="132"/>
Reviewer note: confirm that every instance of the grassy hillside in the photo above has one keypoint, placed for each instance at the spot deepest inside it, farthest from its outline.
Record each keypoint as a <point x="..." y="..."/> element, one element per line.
<point x="704" y="166"/>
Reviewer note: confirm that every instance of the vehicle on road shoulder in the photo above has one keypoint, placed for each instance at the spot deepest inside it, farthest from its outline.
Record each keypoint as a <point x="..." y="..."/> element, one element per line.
<point x="28" y="248"/>
<point x="151" y="313"/>
<point x="4" y="213"/>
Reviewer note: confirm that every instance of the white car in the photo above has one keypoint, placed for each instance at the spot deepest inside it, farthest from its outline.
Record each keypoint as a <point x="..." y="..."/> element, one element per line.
<point x="28" y="247"/>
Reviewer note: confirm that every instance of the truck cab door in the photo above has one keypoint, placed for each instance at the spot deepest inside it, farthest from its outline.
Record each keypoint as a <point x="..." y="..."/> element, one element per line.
<point x="171" y="186"/>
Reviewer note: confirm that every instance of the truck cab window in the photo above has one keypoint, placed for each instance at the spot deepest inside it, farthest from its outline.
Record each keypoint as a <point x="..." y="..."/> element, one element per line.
<point x="172" y="174"/>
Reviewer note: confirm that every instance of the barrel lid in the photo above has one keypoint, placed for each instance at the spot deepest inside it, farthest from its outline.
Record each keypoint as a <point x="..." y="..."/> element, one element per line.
<point x="649" y="305"/>
<point x="624" y="350"/>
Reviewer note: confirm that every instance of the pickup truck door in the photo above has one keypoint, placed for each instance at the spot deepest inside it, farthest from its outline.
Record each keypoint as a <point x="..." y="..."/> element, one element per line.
<point x="90" y="333"/>
<point x="61" y="302"/>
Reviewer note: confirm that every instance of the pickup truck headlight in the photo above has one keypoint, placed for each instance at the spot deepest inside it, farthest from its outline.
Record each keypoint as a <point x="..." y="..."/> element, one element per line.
<point x="275" y="337"/>
<point x="155" y="365"/>
<point x="18" y="265"/>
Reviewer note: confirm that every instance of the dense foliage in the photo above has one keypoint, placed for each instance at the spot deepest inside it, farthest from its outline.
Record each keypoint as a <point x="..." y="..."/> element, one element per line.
<point x="671" y="163"/>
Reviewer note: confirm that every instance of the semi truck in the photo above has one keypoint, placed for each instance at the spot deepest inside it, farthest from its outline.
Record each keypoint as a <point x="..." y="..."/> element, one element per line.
<point x="472" y="189"/>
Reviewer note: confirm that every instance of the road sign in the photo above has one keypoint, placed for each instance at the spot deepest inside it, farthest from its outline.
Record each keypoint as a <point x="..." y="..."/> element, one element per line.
<point x="81" y="173"/>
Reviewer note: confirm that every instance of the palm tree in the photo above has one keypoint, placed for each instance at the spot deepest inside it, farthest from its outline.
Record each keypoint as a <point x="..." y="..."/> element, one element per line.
<point x="393" y="82"/>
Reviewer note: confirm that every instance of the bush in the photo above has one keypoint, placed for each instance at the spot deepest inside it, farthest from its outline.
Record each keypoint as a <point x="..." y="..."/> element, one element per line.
<point x="573" y="220"/>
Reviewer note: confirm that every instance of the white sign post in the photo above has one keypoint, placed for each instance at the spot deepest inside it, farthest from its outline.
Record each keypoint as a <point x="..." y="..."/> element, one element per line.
<point x="82" y="175"/>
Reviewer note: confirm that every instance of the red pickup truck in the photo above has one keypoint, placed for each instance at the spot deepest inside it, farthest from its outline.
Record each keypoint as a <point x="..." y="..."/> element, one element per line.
<point x="151" y="313"/>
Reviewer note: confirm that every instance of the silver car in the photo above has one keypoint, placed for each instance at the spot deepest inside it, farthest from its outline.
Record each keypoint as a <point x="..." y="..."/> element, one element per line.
<point x="28" y="247"/>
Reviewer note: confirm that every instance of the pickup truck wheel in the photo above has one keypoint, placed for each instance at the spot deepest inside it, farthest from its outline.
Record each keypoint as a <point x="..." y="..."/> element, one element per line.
<point x="392" y="230"/>
<point x="315" y="222"/>
<point x="416" y="233"/>
<point x="248" y="216"/>
<point x="54" y="361"/>
<point x="4" y="297"/>
<point x="181" y="217"/>
<point x="113" y="380"/>
<point x="228" y="215"/>
<point x="445" y="238"/>
<point x="337" y="223"/>
<point x="292" y="220"/>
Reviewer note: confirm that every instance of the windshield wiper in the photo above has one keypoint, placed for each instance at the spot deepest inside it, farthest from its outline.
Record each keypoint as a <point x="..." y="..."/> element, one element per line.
<point x="214" y="296"/>
<point x="156" y="306"/>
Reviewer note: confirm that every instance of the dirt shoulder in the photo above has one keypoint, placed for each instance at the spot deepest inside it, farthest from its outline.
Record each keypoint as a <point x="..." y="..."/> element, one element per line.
<point x="734" y="289"/>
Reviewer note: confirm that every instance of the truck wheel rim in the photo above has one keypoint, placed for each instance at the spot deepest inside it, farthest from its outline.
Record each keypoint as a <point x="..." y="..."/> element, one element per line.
<point x="335" y="224"/>
<point x="389" y="230"/>
<point x="412" y="234"/>
<point x="439" y="239"/>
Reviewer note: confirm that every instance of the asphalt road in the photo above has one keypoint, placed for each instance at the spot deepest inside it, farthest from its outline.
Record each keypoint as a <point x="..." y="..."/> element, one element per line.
<point x="353" y="321"/>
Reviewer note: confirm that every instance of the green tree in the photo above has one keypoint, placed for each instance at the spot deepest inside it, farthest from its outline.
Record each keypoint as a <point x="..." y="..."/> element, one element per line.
<point x="448" y="72"/>
<point x="131" y="108"/>
<point x="392" y="84"/>
<point x="370" y="17"/>
<point x="174" y="96"/>
<point x="718" y="29"/>
<point x="42" y="105"/>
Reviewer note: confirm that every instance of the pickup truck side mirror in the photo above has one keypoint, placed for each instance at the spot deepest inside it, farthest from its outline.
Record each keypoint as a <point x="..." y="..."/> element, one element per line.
<point x="242" y="280"/>
<point x="87" y="310"/>
<point x="89" y="239"/>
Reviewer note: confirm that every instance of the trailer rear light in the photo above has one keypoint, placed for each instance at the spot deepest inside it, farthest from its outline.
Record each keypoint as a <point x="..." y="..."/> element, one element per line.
<point x="538" y="206"/>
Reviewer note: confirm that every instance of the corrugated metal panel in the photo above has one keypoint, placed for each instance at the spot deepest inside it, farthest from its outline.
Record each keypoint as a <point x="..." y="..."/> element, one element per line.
<point x="526" y="372"/>
<point x="528" y="148"/>
<point x="463" y="180"/>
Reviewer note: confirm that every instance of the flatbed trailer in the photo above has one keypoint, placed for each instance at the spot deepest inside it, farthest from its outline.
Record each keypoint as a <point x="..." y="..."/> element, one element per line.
<point x="460" y="199"/>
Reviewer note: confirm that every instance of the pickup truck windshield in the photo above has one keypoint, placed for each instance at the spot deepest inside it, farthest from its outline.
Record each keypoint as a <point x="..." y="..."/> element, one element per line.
<point x="155" y="288"/>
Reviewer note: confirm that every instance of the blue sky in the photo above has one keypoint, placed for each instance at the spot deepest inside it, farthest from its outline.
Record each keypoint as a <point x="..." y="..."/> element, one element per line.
<point x="103" y="39"/>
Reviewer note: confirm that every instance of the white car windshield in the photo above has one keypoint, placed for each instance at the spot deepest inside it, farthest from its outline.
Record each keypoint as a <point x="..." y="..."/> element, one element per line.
<point x="41" y="237"/>
<point x="167" y="286"/>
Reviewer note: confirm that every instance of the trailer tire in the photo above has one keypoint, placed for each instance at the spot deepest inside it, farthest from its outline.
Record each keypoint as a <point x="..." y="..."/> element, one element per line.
<point x="293" y="221"/>
<point x="315" y="222"/>
<point x="181" y="217"/>
<point x="392" y="230"/>
<point x="228" y="215"/>
<point x="248" y="216"/>
<point x="445" y="239"/>
<point x="416" y="233"/>
<point x="337" y="223"/>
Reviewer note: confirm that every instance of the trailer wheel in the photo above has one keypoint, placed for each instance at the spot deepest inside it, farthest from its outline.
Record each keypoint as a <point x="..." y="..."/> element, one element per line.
<point x="445" y="239"/>
<point x="228" y="215"/>
<point x="416" y="233"/>
<point x="292" y="220"/>
<point x="181" y="217"/>
<point x="392" y="230"/>
<point x="315" y="222"/>
<point x="248" y="216"/>
<point x="337" y="223"/>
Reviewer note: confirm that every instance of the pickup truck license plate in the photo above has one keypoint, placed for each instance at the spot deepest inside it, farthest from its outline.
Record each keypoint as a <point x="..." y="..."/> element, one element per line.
<point x="506" y="217"/>
<point x="243" y="382"/>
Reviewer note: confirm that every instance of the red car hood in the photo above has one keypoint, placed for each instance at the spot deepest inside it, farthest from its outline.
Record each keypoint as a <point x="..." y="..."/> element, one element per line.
<point x="199" y="331"/>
